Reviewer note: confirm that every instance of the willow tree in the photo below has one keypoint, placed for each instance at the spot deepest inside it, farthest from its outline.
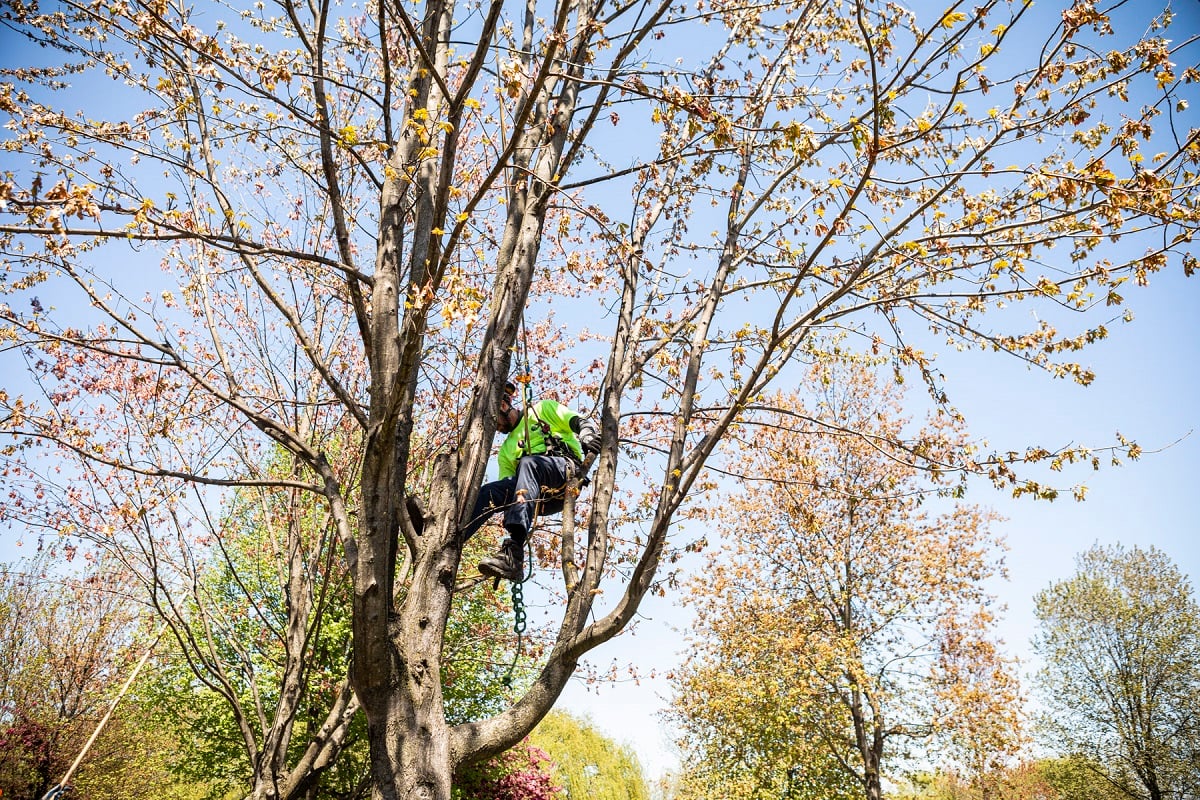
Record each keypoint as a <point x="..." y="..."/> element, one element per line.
<point x="354" y="207"/>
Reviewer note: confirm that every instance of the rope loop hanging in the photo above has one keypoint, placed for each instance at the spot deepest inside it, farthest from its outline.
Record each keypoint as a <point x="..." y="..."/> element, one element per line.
<point x="519" y="616"/>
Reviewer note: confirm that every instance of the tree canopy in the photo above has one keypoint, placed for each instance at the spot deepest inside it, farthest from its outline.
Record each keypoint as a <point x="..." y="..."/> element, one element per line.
<point x="1120" y="641"/>
<point x="843" y="631"/>
<point x="586" y="762"/>
<point x="331" y="228"/>
<point x="66" y="639"/>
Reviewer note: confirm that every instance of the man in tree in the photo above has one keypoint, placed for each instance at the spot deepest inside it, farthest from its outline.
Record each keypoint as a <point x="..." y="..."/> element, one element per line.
<point x="339" y="215"/>
<point x="542" y="453"/>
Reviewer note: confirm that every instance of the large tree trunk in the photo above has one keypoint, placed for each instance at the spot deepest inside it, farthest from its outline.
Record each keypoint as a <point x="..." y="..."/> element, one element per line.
<point x="409" y="738"/>
<point x="400" y="621"/>
<point x="398" y="639"/>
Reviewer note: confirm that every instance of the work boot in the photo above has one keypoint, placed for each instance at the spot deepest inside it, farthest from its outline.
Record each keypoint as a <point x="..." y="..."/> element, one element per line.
<point x="508" y="563"/>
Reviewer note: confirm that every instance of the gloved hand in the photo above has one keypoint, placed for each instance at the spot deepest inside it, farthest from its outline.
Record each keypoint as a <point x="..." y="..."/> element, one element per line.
<point x="589" y="439"/>
<point x="589" y="442"/>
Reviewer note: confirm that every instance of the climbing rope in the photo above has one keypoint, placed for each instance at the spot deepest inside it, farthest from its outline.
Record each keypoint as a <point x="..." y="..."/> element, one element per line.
<point x="524" y="377"/>
<point x="519" y="617"/>
<point x="518" y="601"/>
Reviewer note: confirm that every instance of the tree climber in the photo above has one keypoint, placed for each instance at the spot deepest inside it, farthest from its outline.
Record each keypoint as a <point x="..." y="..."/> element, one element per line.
<point x="542" y="454"/>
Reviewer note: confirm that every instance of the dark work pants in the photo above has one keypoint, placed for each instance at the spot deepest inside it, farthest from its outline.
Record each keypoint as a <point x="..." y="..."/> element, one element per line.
<point x="538" y="484"/>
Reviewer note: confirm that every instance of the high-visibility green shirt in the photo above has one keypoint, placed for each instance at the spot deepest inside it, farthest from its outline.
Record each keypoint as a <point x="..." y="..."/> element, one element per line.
<point x="527" y="438"/>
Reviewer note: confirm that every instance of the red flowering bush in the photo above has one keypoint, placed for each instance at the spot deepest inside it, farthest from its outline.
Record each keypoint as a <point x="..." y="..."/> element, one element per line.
<point x="522" y="773"/>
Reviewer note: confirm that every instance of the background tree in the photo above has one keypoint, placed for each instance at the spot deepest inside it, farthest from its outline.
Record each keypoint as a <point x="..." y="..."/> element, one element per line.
<point x="1120" y="641"/>
<point x="262" y="633"/>
<point x="65" y="642"/>
<point x="586" y="762"/>
<point x="1040" y="779"/>
<point x="843" y="628"/>
<point x="1077" y="778"/>
<point x="354" y="207"/>
<point x="521" y="773"/>
<point x="254" y="678"/>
